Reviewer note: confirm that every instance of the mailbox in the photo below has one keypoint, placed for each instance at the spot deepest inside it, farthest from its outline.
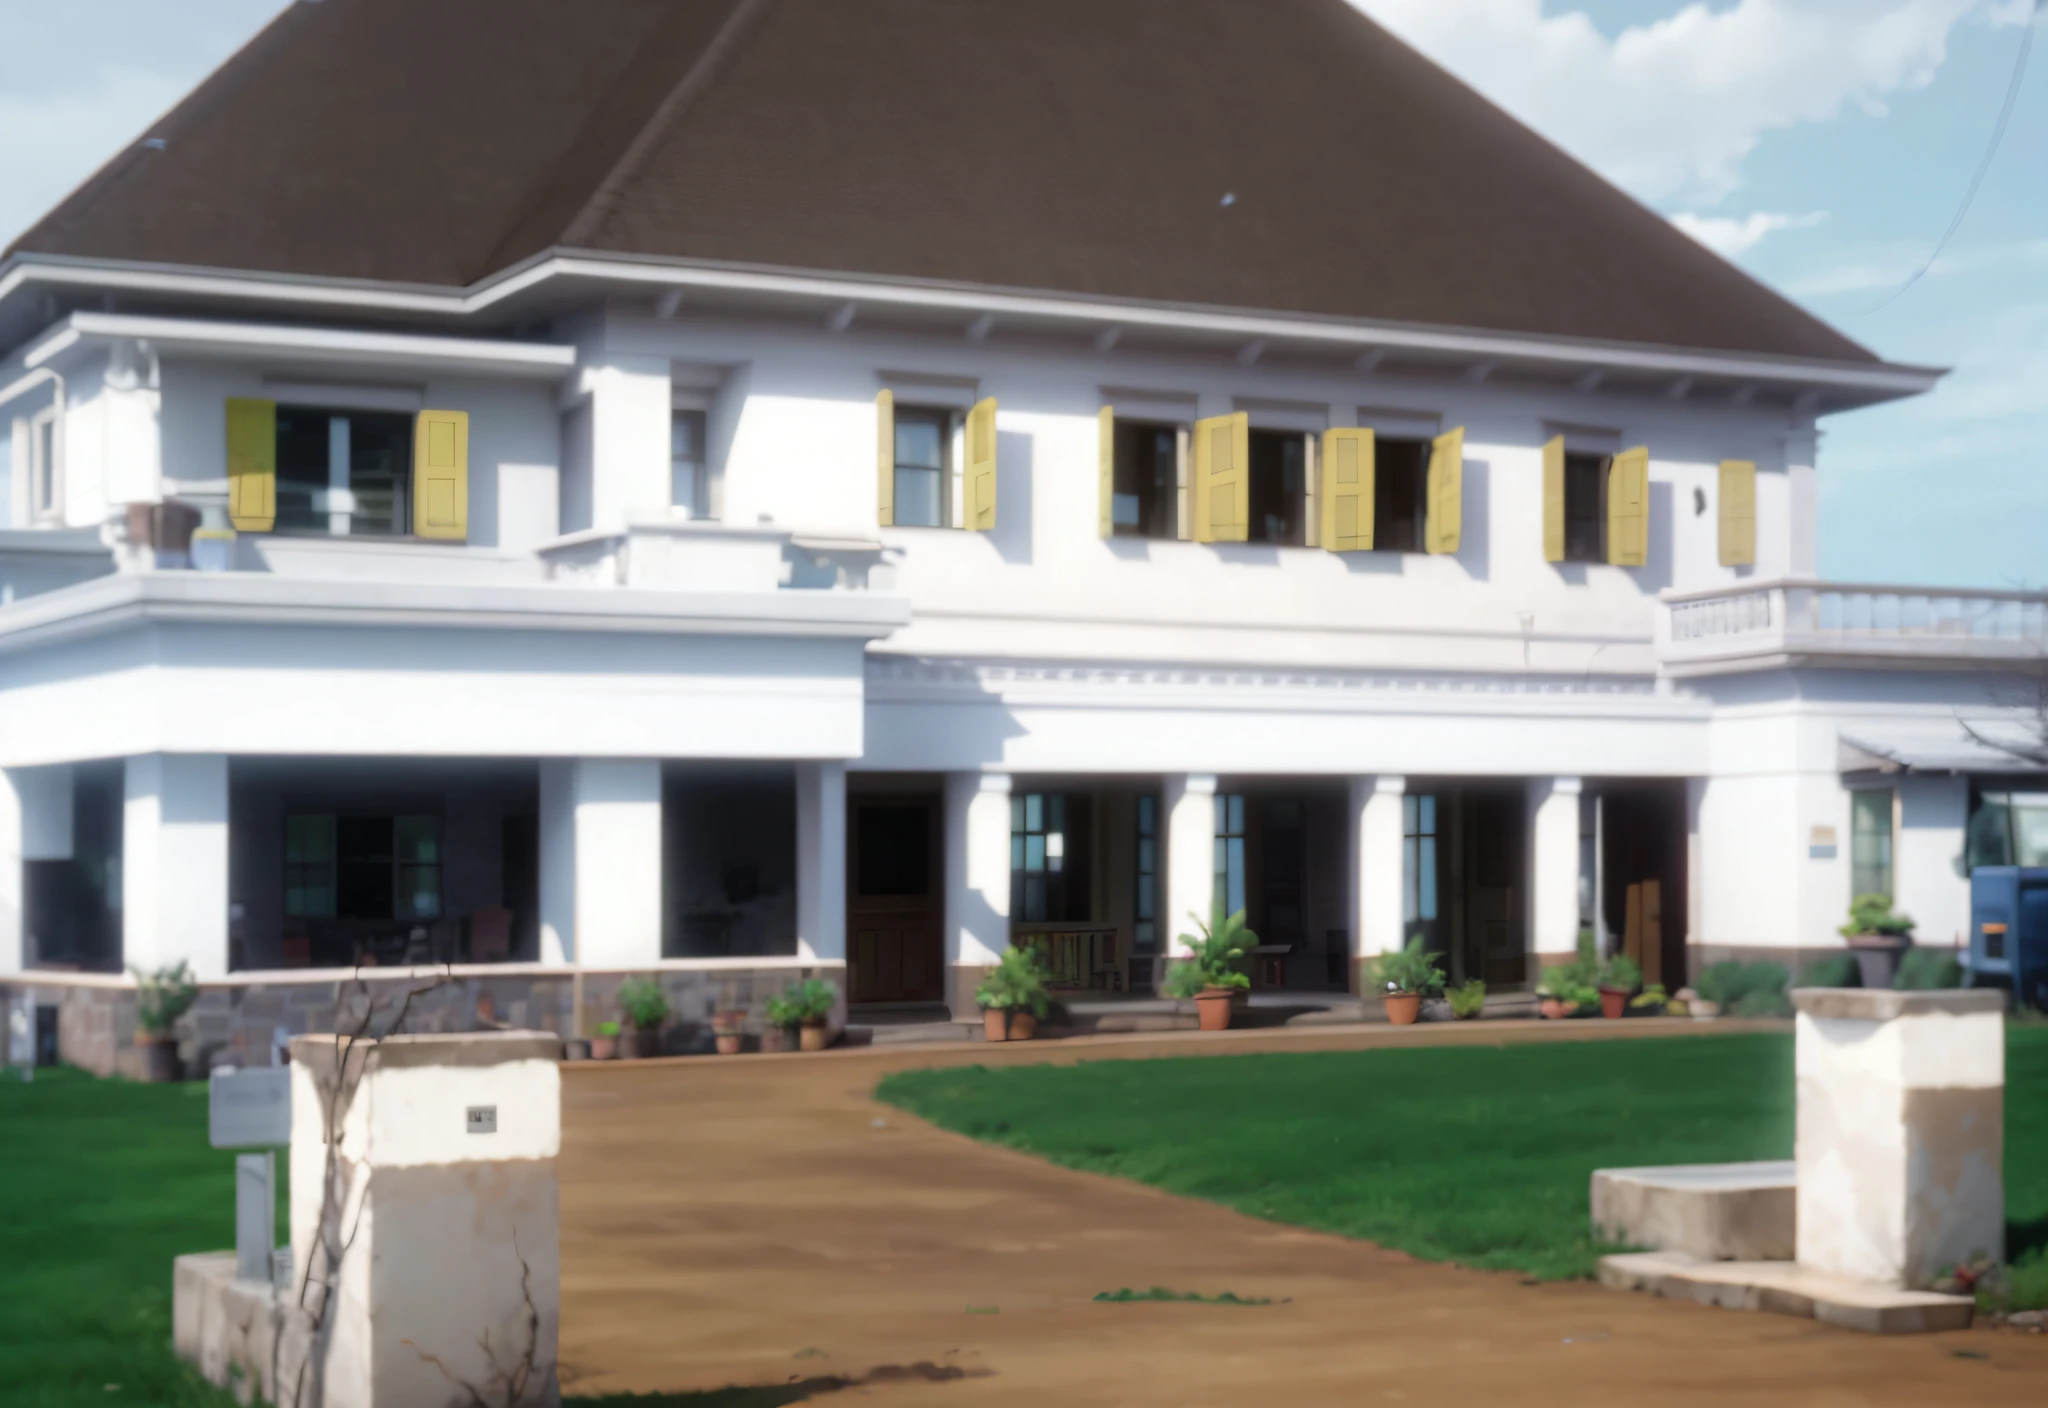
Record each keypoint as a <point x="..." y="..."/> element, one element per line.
<point x="2009" y="930"/>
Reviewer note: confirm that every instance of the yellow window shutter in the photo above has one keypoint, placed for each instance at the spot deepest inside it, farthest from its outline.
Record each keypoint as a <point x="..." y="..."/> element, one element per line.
<point x="1222" y="488"/>
<point x="1553" y="499"/>
<point x="981" y="466"/>
<point x="1738" y="513"/>
<point x="1347" y="490"/>
<point x="885" y="458"/>
<point x="1445" y="516"/>
<point x="1628" y="508"/>
<point x="252" y="465"/>
<point x="440" y="475"/>
<point x="1105" y="450"/>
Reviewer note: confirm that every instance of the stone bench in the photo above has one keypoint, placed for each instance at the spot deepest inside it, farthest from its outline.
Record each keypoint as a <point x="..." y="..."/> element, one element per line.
<point x="1712" y="1212"/>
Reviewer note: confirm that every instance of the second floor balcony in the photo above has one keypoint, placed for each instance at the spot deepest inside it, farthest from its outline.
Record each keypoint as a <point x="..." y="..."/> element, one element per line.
<point x="1771" y="624"/>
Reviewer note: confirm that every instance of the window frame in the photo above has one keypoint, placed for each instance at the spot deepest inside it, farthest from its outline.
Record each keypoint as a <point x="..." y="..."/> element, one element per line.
<point x="1415" y="522"/>
<point x="326" y="873"/>
<point x="1595" y="467"/>
<point x="45" y="465"/>
<point x="947" y="422"/>
<point x="1231" y="873"/>
<point x="341" y="524"/>
<point x="1162" y="524"/>
<point x="697" y="503"/>
<point x="1300" y="501"/>
<point x="1145" y="876"/>
<point x="1889" y="834"/>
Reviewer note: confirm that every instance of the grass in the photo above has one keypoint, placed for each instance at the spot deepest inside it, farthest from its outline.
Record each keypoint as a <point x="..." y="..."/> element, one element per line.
<point x="1477" y="1155"/>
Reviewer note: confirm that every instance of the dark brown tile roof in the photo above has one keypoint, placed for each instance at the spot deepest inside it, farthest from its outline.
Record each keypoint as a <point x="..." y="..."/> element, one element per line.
<point x="1082" y="146"/>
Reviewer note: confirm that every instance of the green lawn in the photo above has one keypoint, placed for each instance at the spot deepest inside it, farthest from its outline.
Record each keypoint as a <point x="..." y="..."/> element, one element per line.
<point x="1479" y="1155"/>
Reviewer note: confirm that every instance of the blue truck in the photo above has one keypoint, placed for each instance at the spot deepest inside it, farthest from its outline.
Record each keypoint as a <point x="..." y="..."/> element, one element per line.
<point x="2009" y="931"/>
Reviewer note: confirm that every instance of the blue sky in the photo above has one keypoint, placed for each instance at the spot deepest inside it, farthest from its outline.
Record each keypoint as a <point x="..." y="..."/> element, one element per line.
<point x="1822" y="144"/>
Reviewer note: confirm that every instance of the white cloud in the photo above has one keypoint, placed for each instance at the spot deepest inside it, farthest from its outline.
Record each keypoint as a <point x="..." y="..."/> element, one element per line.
<point x="1730" y="235"/>
<point x="1672" y="110"/>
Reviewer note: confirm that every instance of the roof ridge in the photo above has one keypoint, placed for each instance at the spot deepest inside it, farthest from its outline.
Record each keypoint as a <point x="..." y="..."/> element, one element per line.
<point x="605" y="197"/>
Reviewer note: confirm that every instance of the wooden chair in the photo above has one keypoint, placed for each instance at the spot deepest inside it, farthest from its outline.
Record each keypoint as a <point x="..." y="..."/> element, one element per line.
<point x="490" y="935"/>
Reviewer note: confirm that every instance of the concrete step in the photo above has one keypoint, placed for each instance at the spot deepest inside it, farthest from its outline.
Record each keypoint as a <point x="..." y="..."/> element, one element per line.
<point x="1787" y="1288"/>
<point x="1716" y="1212"/>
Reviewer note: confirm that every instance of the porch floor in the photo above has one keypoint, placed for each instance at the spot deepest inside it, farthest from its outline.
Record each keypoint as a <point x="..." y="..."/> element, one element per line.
<point x="888" y="1024"/>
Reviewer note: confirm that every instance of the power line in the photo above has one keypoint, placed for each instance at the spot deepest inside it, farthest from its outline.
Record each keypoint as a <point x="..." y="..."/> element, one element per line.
<point x="2012" y="93"/>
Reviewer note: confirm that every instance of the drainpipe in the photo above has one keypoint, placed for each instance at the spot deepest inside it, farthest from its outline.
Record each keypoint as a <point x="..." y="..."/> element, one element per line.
<point x="29" y="382"/>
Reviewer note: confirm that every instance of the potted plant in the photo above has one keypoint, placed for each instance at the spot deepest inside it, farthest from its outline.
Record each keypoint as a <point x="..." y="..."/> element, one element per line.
<point x="1619" y="978"/>
<point x="1466" y="999"/>
<point x="1651" y="1001"/>
<point x="1877" y="935"/>
<point x="728" y="1029"/>
<point x="806" y="1006"/>
<point x="1212" y="973"/>
<point x="645" y="1007"/>
<point x="1013" y="996"/>
<point x="605" y="1045"/>
<point x="161" y="998"/>
<point x="1404" y="977"/>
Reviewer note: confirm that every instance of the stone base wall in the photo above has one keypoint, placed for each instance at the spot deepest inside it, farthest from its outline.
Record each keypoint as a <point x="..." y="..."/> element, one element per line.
<point x="244" y="1023"/>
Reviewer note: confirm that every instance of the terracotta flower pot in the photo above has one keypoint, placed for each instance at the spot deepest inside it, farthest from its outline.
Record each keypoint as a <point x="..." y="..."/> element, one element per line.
<point x="159" y="1057"/>
<point x="728" y="1032"/>
<point x="1023" y="1025"/>
<point x="1555" y="1007"/>
<point x="775" y="1040"/>
<point x="995" y="1024"/>
<point x="1212" y="1006"/>
<point x="1613" y="1003"/>
<point x="729" y="1043"/>
<point x="813" y="1036"/>
<point x="604" y="1048"/>
<point x="1402" y="1007"/>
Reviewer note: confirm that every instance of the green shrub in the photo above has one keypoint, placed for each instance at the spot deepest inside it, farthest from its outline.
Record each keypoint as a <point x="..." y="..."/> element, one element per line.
<point x="1467" y="998"/>
<point x="643" y="1003"/>
<point x="1621" y="972"/>
<point x="1216" y="957"/>
<point x="1017" y="980"/>
<point x="1837" y="970"/>
<point x="1747" y="989"/>
<point x="1923" y="968"/>
<point x="1576" y="980"/>
<point x="607" y="1028"/>
<point x="164" y="996"/>
<point x="1652" y="996"/>
<point x="1408" y="970"/>
<point x="811" y="1000"/>
<point x="1872" y="914"/>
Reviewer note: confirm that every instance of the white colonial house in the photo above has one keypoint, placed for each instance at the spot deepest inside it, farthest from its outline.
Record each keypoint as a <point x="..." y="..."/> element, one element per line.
<point x="732" y="489"/>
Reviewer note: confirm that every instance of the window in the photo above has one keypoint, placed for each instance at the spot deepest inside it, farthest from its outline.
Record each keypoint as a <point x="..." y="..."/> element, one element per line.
<point x="348" y="473"/>
<point x="1585" y="508"/>
<point x="2009" y="828"/>
<point x="924" y="443"/>
<point x="362" y="867"/>
<point x="1278" y="490"/>
<point x="687" y="486"/>
<point x="1870" y="842"/>
<point x="1418" y="859"/>
<point x="1400" y="494"/>
<point x="42" y="466"/>
<point x="1145" y="901"/>
<point x="1230" y="835"/>
<point x="1038" y="856"/>
<point x="1145" y="499"/>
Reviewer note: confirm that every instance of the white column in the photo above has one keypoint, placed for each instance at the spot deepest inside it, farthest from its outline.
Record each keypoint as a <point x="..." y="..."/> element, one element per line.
<point x="174" y="862"/>
<point x="600" y="861"/>
<point x="13" y="951"/>
<point x="1554" y="865"/>
<point x="821" y="861"/>
<point x="630" y="411"/>
<point x="1376" y="868"/>
<point x="977" y="881"/>
<point x="1188" y="806"/>
<point x="1802" y="507"/>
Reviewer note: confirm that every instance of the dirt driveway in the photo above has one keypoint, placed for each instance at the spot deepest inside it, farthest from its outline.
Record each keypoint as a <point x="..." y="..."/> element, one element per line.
<point x="762" y="1221"/>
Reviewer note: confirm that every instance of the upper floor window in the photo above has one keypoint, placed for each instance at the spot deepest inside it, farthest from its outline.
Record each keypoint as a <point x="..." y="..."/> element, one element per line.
<point x="1400" y="494"/>
<point x="1145" y="496"/>
<point x="1278" y="489"/>
<point x="348" y="473"/>
<point x="924" y="445"/>
<point x="1585" y="507"/>
<point x="688" y="488"/>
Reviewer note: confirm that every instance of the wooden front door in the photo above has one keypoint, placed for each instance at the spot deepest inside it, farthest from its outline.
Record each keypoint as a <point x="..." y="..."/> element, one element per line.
<point x="1493" y="886"/>
<point x="895" y="910"/>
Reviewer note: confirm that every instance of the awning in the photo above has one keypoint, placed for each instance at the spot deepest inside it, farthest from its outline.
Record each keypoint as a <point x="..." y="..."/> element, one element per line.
<point x="1942" y="746"/>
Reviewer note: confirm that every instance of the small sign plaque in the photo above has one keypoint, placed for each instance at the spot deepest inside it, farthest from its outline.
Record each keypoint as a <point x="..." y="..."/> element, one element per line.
<point x="483" y="1119"/>
<point x="250" y="1109"/>
<point x="1820" y="843"/>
